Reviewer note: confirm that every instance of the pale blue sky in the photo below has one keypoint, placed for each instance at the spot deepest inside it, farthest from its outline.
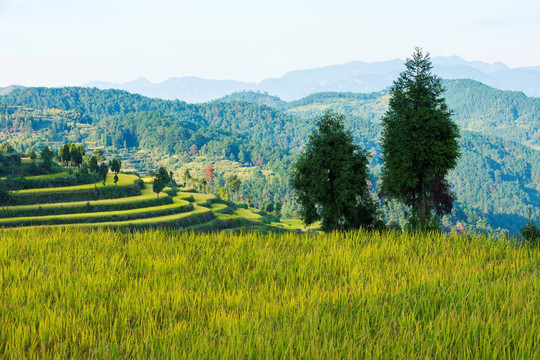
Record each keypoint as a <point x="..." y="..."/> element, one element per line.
<point x="70" y="42"/>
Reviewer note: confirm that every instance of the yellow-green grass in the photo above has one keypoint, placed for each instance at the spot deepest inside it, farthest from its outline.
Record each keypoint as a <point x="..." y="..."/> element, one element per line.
<point x="146" y="194"/>
<point x="158" y="221"/>
<point x="217" y="207"/>
<point x="239" y="213"/>
<point x="46" y="176"/>
<point x="222" y="216"/>
<point x="299" y="224"/>
<point x="123" y="179"/>
<point x="201" y="198"/>
<point x="248" y="214"/>
<point x="76" y="293"/>
<point x="178" y="205"/>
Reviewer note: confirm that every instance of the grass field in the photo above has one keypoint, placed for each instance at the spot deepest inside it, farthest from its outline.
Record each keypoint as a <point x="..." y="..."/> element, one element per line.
<point x="178" y="205"/>
<point x="123" y="179"/>
<point x="81" y="206"/>
<point x="146" y="194"/>
<point x="45" y="200"/>
<point x="75" y="293"/>
<point x="47" y="176"/>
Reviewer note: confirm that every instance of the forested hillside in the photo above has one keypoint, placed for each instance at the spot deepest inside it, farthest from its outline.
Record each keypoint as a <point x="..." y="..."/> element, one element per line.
<point x="257" y="135"/>
<point x="498" y="175"/>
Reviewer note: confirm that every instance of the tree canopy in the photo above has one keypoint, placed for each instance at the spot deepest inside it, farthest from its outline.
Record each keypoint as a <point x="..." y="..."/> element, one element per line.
<point x="419" y="141"/>
<point x="161" y="179"/>
<point x="330" y="178"/>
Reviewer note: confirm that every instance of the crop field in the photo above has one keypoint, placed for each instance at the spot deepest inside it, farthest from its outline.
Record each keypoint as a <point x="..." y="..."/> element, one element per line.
<point x="126" y="205"/>
<point x="178" y="205"/>
<point x="123" y="179"/>
<point x="70" y="207"/>
<point x="106" y="293"/>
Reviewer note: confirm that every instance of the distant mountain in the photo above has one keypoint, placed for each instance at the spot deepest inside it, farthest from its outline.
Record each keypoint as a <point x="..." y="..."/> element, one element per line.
<point x="354" y="76"/>
<point x="9" y="89"/>
<point x="189" y="89"/>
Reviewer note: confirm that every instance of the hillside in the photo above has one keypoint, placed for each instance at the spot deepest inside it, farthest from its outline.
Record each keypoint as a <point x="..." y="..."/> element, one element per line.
<point x="71" y="293"/>
<point x="500" y="130"/>
<point x="257" y="136"/>
<point x="69" y="197"/>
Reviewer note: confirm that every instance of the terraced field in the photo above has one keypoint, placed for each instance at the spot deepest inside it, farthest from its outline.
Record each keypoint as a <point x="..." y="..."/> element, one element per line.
<point x="130" y="203"/>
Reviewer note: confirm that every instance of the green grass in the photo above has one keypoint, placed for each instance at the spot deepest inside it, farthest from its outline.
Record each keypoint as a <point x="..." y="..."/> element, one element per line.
<point x="297" y="224"/>
<point x="248" y="214"/>
<point x="80" y="293"/>
<point x="46" y="176"/>
<point x="217" y="207"/>
<point x="123" y="179"/>
<point x="146" y="194"/>
<point x="158" y="221"/>
<point x="201" y="198"/>
<point x="178" y="205"/>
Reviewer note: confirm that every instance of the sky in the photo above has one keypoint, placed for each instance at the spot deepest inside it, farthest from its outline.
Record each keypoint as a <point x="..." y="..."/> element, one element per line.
<point x="71" y="42"/>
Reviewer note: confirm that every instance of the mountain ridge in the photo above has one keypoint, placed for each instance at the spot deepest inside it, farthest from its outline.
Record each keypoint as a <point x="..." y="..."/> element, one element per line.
<point x="353" y="76"/>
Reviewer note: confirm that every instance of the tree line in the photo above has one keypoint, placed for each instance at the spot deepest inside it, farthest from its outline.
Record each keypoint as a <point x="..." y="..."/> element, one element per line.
<point x="419" y="147"/>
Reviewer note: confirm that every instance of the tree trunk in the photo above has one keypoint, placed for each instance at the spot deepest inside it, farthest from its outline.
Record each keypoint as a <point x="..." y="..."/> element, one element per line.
<point x="422" y="205"/>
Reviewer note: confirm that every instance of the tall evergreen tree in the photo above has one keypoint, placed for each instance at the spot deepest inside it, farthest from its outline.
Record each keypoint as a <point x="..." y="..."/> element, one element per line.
<point x="161" y="179"/>
<point x="93" y="167"/>
<point x="330" y="178"/>
<point x="115" y="165"/>
<point x="234" y="184"/>
<point x="47" y="156"/>
<point x="186" y="177"/>
<point x="103" y="171"/>
<point x="419" y="143"/>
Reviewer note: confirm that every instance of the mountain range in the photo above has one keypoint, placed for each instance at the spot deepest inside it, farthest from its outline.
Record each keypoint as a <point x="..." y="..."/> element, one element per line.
<point x="354" y="76"/>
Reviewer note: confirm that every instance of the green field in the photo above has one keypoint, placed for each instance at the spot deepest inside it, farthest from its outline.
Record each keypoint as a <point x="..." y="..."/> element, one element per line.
<point x="123" y="179"/>
<point x="47" y="176"/>
<point x="75" y="293"/>
<point x="178" y="205"/>
<point x="146" y="194"/>
<point x="127" y="206"/>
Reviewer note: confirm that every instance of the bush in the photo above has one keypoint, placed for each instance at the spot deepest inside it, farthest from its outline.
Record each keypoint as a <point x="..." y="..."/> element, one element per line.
<point x="531" y="232"/>
<point x="139" y="183"/>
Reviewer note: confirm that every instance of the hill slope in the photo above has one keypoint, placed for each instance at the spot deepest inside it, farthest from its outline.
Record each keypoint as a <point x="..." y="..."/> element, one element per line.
<point x="249" y="138"/>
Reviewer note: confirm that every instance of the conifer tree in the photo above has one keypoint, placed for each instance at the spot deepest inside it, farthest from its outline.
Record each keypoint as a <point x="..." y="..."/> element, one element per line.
<point x="115" y="165"/>
<point x="330" y="178"/>
<point x="419" y="142"/>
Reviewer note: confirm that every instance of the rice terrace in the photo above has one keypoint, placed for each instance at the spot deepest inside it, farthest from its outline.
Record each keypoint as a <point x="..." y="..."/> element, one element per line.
<point x="254" y="180"/>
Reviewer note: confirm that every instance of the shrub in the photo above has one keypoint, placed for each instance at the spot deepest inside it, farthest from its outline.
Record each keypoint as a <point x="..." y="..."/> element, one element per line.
<point x="139" y="183"/>
<point x="531" y="232"/>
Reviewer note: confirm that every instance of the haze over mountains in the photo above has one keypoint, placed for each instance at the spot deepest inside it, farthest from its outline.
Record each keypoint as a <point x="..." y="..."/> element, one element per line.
<point x="355" y="76"/>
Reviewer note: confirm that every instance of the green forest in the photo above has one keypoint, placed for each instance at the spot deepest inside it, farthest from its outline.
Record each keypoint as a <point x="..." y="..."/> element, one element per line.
<point x="257" y="137"/>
